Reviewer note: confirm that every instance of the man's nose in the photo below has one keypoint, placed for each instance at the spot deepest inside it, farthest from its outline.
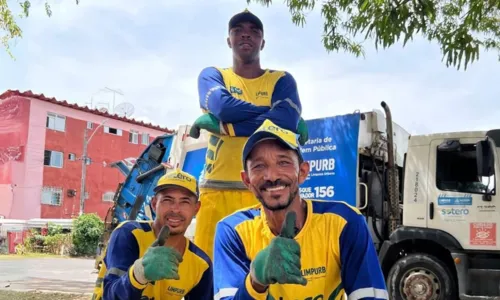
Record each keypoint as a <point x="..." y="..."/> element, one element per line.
<point x="245" y="34"/>
<point x="271" y="174"/>
<point x="175" y="207"/>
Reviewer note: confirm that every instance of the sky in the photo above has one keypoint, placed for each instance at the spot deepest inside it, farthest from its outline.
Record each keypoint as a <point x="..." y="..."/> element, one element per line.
<point x="153" y="51"/>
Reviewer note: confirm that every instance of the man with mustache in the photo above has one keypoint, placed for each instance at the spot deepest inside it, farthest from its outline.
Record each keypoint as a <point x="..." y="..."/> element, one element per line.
<point x="154" y="260"/>
<point x="287" y="247"/>
<point x="235" y="102"/>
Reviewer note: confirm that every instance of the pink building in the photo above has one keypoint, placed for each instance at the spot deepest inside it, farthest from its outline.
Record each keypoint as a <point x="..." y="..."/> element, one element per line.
<point x="41" y="143"/>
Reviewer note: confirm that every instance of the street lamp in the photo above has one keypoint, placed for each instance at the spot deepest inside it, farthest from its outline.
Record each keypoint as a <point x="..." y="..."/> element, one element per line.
<point x="84" y="159"/>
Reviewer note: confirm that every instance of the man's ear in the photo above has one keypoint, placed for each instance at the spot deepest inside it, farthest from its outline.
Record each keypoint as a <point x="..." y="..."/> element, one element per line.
<point x="263" y="44"/>
<point x="228" y="42"/>
<point x="154" y="201"/>
<point x="197" y="207"/>
<point x="245" y="178"/>
<point x="303" y="171"/>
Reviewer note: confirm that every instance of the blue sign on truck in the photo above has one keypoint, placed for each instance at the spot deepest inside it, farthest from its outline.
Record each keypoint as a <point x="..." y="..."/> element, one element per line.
<point x="332" y="152"/>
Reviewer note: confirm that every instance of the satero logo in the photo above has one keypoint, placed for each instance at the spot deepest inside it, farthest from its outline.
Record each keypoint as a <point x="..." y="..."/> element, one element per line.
<point x="278" y="130"/>
<point x="454" y="212"/>
<point x="180" y="176"/>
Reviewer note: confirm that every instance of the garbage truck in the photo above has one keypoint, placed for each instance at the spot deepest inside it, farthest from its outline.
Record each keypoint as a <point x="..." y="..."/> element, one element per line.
<point x="429" y="200"/>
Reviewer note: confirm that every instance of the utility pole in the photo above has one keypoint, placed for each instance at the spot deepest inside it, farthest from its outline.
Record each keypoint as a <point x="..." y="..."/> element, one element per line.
<point x="84" y="170"/>
<point x="84" y="159"/>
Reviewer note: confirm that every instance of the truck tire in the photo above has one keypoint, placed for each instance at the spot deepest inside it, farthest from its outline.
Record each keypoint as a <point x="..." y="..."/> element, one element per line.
<point x="421" y="276"/>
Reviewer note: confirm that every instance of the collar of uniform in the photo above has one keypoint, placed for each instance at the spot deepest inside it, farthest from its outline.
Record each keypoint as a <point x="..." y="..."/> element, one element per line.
<point x="309" y="215"/>
<point x="266" y="71"/>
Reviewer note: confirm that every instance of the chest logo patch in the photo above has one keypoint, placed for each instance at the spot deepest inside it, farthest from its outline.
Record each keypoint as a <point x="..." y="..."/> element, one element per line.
<point x="235" y="90"/>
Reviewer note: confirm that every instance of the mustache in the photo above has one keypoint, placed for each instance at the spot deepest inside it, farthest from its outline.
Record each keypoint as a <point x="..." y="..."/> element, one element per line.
<point x="271" y="184"/>
<point x="174" y="215"/>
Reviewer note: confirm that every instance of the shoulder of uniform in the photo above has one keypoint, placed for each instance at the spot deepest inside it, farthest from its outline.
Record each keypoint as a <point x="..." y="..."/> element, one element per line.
<point x="207" y="71"/>
<point x="242" y="215"/>
<point x="280" y="73"/>
<point x="340" y="208"/>
<point x="133" y="225"/>
<point x="193" y="248"/>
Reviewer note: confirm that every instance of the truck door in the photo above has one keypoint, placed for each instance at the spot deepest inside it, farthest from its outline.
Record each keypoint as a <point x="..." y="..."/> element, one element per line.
<point x="458" y="201"/>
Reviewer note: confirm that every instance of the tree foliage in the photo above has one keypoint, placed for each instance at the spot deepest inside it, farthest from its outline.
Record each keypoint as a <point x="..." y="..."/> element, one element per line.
<point x="462" y="28"/>
<point x="8" y="25"/>
<point x="87" y="230"/>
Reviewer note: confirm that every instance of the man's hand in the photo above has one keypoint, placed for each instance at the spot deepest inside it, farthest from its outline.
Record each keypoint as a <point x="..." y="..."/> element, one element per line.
<point x="208" y="122"/>
<point x="280" y="261"/>
<point x="159" y="261"/>
<point x="303" y="132"/>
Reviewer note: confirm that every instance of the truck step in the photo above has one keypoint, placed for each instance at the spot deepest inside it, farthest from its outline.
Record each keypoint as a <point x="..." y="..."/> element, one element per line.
<point x="485" y="282"/>
<point x="468" y="297"/>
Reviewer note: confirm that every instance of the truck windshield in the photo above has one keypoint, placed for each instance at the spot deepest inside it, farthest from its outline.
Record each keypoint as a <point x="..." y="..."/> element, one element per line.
<point x="457" y="171"/>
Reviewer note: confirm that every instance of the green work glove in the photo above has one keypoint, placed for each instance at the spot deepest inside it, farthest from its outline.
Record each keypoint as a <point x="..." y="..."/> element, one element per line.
<point x="303" y="132"/>
<point x="280" y="261"/>
<point x="159" y="261"/>
<point x="208" y="122"/>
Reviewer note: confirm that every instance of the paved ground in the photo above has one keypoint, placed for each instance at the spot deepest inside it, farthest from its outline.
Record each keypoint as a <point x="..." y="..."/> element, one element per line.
<point x="54" y="274"/>
<point x="9" y="295"/>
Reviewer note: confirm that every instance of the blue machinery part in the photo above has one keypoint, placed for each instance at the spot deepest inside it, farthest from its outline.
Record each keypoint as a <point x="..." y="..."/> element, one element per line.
<point x="133" y="196"/>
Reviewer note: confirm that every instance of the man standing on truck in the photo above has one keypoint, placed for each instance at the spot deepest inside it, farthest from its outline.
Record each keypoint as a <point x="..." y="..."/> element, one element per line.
<point x="236" y="101"/>
<point x="287" y="247"/>
<point x="154" y="260"/>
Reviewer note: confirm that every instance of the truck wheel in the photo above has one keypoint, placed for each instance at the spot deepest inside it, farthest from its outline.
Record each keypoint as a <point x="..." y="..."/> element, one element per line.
<point x="421" y="277"/>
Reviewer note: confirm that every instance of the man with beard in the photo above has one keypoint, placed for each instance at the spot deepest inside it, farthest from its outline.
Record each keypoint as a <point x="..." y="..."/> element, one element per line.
<point x="235" y="102"/>
<point x="154" y="260"/>
<point x="287" y="247"/>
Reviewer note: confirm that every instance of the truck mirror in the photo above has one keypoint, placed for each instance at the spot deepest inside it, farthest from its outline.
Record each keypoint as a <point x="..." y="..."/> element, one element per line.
<point x="484" y="158"/>
<point x="450" y="146"/>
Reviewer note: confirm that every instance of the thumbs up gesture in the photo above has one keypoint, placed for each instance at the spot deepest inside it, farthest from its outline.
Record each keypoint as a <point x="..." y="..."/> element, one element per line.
<point x="280" y="261"/>
<point x="159" y="261"/>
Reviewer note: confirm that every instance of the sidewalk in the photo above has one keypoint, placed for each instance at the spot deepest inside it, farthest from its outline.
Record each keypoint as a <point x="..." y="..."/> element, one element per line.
<point x="48" y="274"/>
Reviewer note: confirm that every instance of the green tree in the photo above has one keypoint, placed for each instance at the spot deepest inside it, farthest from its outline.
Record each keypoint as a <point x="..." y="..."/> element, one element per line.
<point x="87" y="230"/>
<point x="460" y="27"/>
<point x="9" y="30"/>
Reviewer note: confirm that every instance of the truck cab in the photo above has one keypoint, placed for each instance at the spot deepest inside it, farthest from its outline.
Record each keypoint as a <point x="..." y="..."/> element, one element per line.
<point x="446" y="246"/>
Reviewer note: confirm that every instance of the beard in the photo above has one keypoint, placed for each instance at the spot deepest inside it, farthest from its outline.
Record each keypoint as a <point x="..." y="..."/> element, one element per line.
<point x="276" y="205"/>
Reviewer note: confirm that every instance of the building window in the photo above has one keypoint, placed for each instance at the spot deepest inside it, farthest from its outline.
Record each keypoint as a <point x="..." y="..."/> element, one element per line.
<point x="72" y="156"/>
<point x="145" y="138"/>
<point x="456" y="170"/>
<point x="53" y="158"/>
<point x="56" y="122"/>
<point x="112" y="130"/>
<point x="51" y="195"/>
<point x="133" y="137"/>
<point x="108" y="196"/>
<point x="90" y="125"/>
